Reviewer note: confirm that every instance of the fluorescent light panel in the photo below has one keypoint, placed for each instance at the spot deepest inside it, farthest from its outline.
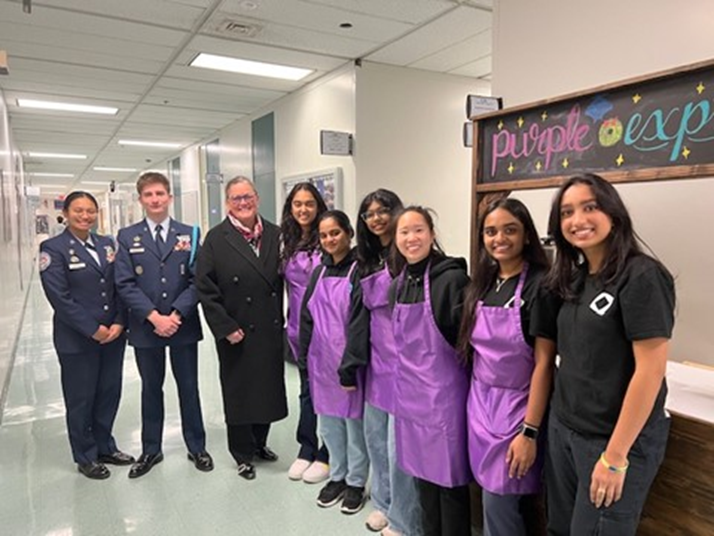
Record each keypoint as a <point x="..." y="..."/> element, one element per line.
<point x="257" y="68"/>
<point x="116" y="169"/>
<point x="138" y="143"/>
<point x="67" y="107"/>
<point x="57" y="155"/>
<point x="38" y="174"/>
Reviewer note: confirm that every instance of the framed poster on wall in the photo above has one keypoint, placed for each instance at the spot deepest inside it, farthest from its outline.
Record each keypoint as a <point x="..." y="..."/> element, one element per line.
<point x="328" y="182"/>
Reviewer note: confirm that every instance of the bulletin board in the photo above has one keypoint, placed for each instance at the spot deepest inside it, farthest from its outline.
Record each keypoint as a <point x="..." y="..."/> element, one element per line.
<point x="328" y="182"/>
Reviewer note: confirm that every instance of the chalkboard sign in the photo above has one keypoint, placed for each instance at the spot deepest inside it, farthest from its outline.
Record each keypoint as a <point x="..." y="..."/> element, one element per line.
<point x="634" y="130"/>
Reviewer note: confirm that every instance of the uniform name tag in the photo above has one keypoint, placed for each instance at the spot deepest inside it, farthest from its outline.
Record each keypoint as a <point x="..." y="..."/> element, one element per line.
<point x="136" y="250"/>
<point x="77" y="266"/>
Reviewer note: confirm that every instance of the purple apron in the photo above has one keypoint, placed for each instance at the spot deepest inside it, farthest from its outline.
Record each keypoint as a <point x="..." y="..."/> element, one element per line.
<point x="297" y="274"/>
<point x="500" y="383"/>
<point x="329" y="306"/>
<point x="431" y="391"/>
<point x="379" y="389"/>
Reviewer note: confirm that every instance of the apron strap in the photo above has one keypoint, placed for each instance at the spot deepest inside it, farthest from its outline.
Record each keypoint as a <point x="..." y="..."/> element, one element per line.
<point x="519" y="288"/>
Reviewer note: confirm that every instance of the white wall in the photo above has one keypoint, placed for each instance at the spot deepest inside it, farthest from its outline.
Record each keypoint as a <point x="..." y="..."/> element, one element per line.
<point x="547" y="48"/>
<point x="17" y="247"/>
<point x="409" y="140"/>
<point x="326" y="104"/>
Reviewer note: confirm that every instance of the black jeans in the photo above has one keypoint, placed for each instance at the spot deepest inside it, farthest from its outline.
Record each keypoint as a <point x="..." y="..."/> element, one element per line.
<point x="445" y="511"/>
<point x="570" y="460"/>
<point x="245" y="439"/>
<point x="306" y="435"/>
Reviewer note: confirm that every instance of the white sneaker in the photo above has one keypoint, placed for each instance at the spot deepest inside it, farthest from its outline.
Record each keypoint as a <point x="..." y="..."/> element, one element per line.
<point x="297" y="469"/>
<point x="376" y="521"/>
<point x="317" y="472"/>
<point x="389" y="532"/>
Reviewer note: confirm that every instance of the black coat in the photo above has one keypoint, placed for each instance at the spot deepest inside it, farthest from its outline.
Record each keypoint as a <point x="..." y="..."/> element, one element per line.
<point x="238" y="289"/>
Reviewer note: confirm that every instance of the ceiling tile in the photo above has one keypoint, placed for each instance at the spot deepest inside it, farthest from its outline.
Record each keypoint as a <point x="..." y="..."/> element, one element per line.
<point x="452" y="28"/>
<point x="457" y="55"/>
<point x="479" y="68"/>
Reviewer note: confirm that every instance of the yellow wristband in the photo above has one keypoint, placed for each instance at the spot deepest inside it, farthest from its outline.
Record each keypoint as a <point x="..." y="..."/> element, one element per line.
<point x="613" y="468"/>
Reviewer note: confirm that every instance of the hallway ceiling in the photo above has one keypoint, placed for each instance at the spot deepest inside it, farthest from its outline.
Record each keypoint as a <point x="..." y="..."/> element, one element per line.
<point x="134" y="55"/>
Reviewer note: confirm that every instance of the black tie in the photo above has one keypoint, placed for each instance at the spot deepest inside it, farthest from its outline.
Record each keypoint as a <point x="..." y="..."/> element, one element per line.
<point x="160" y="240"/>
<point x="91" y="249"/>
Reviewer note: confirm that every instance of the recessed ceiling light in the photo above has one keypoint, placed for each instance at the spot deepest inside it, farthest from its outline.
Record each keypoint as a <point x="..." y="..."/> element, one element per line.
<point x="257" y="68"/>
<point x="138" y="143"/>
<point x="117" y="169"/>
<point x="57" y="155"/>
<point x="42" y="174"/>
<point x="67" y="107"/>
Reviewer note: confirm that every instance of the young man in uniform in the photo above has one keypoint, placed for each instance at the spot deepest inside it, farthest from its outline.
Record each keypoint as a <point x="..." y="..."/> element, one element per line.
<point x="154" y="277"/>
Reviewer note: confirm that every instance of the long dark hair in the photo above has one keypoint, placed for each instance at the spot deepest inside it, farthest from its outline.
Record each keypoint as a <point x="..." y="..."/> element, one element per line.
<point x="622" y="242"/>
<point x="78" y="194"/>
<point x="290" y="229"/>
<point x="397" y="261"/>
<point x="369" y="245"/>
<point x="486" y="269"/>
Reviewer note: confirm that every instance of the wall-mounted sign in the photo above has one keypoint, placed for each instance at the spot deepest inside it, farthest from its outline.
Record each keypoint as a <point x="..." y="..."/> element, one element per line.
<point x="654" y="127"/>
<point x="327" y="181"/>
<point x="335" y="143"/>
<point x="478" y="105"/>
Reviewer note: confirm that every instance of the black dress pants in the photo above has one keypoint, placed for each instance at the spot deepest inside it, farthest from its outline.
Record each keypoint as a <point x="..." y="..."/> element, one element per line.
<point x="245" y="439"/>
<point x="445" y="511"/>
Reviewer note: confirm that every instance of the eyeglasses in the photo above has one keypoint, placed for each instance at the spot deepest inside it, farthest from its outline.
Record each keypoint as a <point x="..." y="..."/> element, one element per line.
<point x="372" y="214"/>
<point x="237" y="199"/>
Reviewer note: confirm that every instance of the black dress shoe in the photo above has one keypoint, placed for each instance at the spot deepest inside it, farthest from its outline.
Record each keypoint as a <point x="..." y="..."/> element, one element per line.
<point x="94" y="470"/>
<point x="264" y="453"/>
<point x="116" y="458"/>
<point x="246" y="470"/>
<point x="202" y="461"/>
<point x="144" y="464"/>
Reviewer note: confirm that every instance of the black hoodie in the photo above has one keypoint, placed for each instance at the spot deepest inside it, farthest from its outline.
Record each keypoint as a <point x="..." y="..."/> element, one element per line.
<point x="357" y="349"/>
<point x="448" y="280"/>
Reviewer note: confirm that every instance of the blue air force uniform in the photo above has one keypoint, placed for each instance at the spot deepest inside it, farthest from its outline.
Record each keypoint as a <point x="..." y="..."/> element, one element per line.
<point x="149" y="279"/>
<point x="80" y="288"/>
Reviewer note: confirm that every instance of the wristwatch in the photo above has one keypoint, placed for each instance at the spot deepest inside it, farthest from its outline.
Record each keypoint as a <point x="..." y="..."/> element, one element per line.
<point x="530" y="432"/>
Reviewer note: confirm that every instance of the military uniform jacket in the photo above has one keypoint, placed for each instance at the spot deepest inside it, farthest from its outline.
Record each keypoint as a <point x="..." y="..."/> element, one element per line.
<point x="238" y="289"/>
<point x="81" y="292"/>
<point x="147" y="280"/>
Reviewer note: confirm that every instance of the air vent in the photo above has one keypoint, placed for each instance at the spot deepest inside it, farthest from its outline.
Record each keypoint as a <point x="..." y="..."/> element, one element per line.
<point x="238" y="28"/>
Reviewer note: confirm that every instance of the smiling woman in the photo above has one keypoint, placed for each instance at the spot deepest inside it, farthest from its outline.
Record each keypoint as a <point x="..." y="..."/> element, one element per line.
<point x="77" y="274"/>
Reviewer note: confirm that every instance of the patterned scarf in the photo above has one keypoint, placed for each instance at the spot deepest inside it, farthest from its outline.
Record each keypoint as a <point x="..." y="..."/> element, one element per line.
<point x="252" y="236"/>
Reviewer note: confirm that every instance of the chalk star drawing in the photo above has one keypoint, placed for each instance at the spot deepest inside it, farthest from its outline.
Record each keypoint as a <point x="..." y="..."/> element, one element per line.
<point x="539" y="165"/>
<point x="620" y="159"/>
<point x="511" y="168"/>
<point x="544" y="116"/>
<point x="700" y="88"/>
<point x="500" y="125"/>
<point x="636" y="98"/>
<point x="565" y="163"/>
<point x="520" y="122"/>
<point x="686" y="152"/>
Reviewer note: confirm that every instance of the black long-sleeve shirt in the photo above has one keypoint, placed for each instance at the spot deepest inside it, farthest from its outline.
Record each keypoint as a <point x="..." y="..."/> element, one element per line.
<point x="357" y="350"/>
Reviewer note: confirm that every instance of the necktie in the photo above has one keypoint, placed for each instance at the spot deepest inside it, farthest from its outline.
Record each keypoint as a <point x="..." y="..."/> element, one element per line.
<point x="160" y="240"/>
<point x="92" y="252"/>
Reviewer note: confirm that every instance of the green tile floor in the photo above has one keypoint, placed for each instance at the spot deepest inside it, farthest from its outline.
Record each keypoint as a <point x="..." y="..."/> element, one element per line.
<point x="42" y="494"/>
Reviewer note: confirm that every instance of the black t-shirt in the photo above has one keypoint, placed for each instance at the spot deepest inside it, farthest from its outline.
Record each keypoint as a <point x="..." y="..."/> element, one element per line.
<point x="504" y="294"/>
<point x="595" y="333"/>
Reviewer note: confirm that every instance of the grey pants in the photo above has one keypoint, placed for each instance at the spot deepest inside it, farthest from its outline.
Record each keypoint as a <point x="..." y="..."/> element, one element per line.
<point x="569" y="464"/>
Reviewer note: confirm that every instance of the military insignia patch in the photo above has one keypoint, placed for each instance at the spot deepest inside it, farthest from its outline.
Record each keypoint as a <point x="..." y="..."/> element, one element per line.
<point x="110" y="253"/>
<point x="183" y="243"/>
<point x="45" y="261"/>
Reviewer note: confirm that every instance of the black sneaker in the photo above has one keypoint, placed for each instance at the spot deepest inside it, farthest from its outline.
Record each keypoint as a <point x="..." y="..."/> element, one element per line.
<point x="332" y="493"/>
<point x="354" y="500"/>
